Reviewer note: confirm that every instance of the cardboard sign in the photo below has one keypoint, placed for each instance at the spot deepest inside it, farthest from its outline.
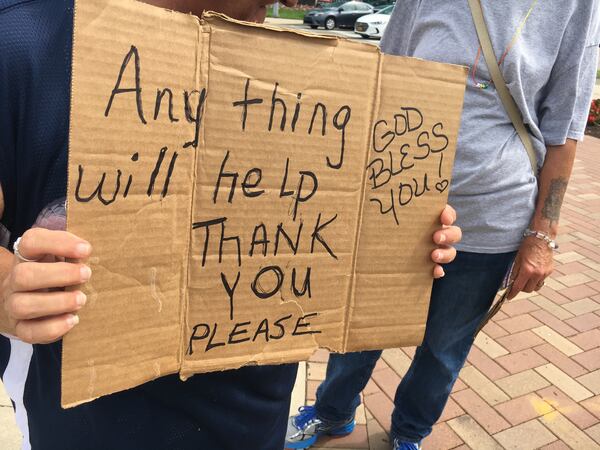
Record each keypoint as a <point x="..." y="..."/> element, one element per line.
<point x="251" y="194"/>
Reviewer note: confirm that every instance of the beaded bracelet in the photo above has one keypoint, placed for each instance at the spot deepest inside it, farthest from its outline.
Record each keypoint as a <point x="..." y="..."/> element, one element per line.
<point x="542" y="236"/>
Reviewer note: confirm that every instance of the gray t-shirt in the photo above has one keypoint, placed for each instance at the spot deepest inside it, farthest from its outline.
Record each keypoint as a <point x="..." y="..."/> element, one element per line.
<point x="550" y="70"/>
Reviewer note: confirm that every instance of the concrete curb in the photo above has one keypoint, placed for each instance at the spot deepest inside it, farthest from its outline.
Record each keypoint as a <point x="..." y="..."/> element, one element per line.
<point x="279" y="21"/>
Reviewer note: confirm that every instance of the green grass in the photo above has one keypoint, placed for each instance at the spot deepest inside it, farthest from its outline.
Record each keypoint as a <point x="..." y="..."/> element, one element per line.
<point x="287" y="13"/>
<point x="598" y="74"/>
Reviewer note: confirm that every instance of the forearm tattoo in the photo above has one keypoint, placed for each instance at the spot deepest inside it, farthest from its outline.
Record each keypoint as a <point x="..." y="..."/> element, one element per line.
<point x="554" y="199"/>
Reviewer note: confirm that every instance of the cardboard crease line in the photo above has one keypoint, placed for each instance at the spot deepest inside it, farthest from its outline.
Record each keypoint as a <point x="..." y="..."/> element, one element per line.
<point x="374" y="110"/>
<point x="184" y="295"/>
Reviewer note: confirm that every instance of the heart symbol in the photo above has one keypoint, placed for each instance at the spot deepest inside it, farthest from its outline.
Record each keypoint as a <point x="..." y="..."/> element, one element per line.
<point x="442" y="186"/>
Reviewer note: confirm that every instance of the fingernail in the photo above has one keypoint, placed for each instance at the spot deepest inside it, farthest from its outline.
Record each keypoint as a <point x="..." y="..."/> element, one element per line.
<point x="81" y="299"/>
<point x="83" y="248"/>
<point x="442" y="238"/>
<point x="443" y="273"/>
<point x="72" y="320"/>
<point x="438" y="256"/>
<point x="86" y="273"/>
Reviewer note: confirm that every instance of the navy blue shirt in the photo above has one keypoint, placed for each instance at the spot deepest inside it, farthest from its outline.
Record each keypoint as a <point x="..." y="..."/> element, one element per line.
<point x="246" y="408"/>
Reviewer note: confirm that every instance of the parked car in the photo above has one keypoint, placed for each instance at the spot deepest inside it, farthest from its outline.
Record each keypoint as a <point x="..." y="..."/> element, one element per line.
<point x="342" y="15"/>
<point x="373" y="25"/>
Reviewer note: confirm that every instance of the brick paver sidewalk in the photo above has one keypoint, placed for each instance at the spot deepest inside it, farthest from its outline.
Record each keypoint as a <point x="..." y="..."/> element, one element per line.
<point x="533" y="377"/>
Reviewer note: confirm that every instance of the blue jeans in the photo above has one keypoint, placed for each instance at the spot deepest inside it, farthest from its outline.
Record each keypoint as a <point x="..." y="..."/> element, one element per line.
<point x="459" y="302"/>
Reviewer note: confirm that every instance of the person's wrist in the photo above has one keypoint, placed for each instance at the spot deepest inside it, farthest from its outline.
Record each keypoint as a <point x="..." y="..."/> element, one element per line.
<point x="544" y="226"/>
<point x="540" y="238"/>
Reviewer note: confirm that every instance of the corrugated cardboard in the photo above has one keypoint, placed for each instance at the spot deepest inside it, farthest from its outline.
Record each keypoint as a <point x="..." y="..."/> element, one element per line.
<point x="280" y="198"/>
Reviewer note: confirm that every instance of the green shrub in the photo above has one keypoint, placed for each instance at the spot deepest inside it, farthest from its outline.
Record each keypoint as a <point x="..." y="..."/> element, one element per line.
<point x="287" y="13"/>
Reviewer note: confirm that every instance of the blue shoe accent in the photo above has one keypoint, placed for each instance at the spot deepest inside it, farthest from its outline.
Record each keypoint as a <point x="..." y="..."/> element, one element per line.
<point x="401" y="445"/>
<point x="306" y="443"/>
<point x="305" y="428"/>
<point x="343" y="430"/>
<point x="305" y="415"/>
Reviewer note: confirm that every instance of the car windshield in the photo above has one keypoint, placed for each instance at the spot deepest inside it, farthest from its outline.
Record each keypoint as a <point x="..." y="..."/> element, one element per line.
<point x="387" y="11"/>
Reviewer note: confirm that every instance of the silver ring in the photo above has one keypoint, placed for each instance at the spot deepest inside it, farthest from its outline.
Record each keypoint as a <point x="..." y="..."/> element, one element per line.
<point x="18" y="255"/>
<point x="540" y="285"/>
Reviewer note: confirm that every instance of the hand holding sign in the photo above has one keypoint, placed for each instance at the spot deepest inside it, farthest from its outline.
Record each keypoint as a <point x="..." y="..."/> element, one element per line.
<point x="38" y="307"/>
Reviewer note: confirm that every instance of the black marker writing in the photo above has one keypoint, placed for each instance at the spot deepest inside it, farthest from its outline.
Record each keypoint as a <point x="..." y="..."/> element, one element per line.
<point x="230" y="290"/>
<point x="217" y="335"/>
<point x="316" y="236"/>
<point x="305" y="286"/>
<point x="244" y="103"/>
<point x="98" y="192"/>
<point x="137" y="89"/>
<point x="257" y="286"/>
<point x="159" y="97"/>
<point x="195" y="118"/>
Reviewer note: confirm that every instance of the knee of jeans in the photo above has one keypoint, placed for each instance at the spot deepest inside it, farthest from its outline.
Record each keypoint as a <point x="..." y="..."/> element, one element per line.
<point x="452" y="335"/>
<point x="450" y="356"/>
